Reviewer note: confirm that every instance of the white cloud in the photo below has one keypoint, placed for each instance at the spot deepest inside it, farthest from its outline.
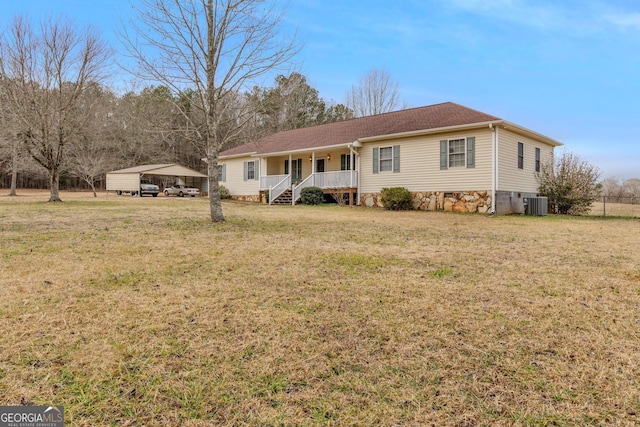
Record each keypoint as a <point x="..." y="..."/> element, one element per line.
<point x="583" y="17"/>
<point x="624" y="21"/>
<point x="518" y="11"/>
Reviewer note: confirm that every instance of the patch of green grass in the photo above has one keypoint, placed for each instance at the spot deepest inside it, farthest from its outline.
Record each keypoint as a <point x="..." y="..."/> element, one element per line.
<point x="442" y="272"/>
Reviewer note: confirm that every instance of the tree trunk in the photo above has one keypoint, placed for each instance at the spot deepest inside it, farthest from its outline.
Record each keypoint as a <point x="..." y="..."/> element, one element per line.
<point x="54" y="185"/>
<point x="14" y="180"/>
<point x="14" y="171"/>
<point x="215" y="204"/>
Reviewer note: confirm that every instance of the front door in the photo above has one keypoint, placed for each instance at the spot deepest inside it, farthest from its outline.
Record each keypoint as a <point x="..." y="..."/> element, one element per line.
<point x="319" y="165"/>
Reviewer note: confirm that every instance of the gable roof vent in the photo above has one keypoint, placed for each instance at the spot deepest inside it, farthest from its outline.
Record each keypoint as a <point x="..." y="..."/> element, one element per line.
<point x="536" y="206"/>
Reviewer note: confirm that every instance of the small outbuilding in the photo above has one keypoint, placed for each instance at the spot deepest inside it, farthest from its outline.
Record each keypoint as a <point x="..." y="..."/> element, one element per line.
<point x="163" y="175"/>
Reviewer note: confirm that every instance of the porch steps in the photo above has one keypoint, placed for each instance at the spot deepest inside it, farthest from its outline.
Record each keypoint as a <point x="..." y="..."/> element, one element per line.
<point x="283" y="199"/>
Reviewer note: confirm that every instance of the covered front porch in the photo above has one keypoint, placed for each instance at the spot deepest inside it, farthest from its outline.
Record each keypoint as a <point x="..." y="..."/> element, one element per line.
<point x="285" y="176"/>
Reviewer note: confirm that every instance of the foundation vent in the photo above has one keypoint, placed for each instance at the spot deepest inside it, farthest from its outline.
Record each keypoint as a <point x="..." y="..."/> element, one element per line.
<point x="536" y="206"/>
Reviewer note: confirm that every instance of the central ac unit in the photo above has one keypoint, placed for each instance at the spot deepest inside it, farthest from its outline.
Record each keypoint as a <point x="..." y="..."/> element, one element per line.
<point x="536" y="206"/>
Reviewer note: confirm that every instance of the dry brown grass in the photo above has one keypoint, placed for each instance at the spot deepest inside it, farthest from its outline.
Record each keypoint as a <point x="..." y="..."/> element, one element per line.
<point x="133" y="311"/>
<point x="615" y="209"/>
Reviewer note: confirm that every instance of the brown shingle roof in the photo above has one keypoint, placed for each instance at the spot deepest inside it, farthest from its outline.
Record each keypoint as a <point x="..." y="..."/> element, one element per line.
<point x="414" y="119"/>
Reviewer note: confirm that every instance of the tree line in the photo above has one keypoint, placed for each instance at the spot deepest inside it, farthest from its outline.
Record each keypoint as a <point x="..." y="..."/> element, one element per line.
<point x="148" y="126"/>
<point x="198" y="61"/>
<point x="621" y="191"/>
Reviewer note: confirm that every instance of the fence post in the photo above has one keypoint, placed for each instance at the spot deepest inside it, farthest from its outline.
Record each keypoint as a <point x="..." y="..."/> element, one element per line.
<point x="604" y="205"/>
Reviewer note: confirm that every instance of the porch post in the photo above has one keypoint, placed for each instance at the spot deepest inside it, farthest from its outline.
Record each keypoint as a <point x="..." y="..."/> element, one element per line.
<point x="358" y="179"/>
<point x="352" y="168"/>
<point x="293" y="186"/>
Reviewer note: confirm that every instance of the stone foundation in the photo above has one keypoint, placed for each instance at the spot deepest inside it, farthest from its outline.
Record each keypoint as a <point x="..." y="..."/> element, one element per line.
<point x="465" y="201"/>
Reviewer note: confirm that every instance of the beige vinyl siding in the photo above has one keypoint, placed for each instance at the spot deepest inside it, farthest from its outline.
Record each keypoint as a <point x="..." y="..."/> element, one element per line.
<point x="510" y="177"/>
<point x="123" y="181"/>
<point x="275" y="165"/>
<point x="235" y="182"/>
<point x="420" y="165"/>
<point x="333" y="165"/>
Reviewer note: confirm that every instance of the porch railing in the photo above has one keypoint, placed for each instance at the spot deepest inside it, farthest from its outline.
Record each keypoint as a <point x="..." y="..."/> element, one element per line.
<point x="280" y="187"/>
<point x="269" y="181"/>
<point x="307" y="182"/>
<point x="339" y="179"/>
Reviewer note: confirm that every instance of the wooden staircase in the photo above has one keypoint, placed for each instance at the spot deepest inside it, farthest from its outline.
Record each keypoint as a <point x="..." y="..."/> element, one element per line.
<point x="283" y="199"/>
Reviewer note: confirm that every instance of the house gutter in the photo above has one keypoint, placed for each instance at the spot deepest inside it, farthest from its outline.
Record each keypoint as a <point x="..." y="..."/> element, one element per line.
<point x="497" y="163"/>
<point x="493" y="168"/>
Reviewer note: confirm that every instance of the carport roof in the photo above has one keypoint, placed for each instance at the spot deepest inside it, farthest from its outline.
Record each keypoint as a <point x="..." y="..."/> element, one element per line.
<point x="171" y="169"/>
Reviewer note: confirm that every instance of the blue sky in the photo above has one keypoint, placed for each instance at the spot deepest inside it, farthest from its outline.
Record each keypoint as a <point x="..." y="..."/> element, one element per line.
<point x="567" y="69"/>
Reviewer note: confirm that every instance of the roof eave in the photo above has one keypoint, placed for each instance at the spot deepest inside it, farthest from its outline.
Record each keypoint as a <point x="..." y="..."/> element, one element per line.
<point x="234" y="156"/>
<point x="430" y="131"/>
<point x="296" y="151"/>
<point x="533" y="134"/>
<point x="503" y="123"/>
<point x="142" y="168"/>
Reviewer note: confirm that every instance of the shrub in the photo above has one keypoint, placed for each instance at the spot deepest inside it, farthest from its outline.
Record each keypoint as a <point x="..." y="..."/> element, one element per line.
<point x="224" y="193"/>
<point x="397" y="199"/>
<point x="311" y="196"/>
<point x="570" y="184"/>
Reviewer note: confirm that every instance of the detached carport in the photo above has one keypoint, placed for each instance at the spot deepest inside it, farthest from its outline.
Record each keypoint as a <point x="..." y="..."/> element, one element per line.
<point x="165" y="175"/>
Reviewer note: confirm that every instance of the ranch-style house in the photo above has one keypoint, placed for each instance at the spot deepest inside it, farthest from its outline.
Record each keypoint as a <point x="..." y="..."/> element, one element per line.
<point x="448" y="156"/>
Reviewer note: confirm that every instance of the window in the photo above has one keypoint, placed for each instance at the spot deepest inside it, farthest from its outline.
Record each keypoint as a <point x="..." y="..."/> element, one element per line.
<point x="296" y="172"/>
<point x="537" y="160"/>
<point x="345" y="162"/>
<point x="296" y="169"/>
<point x="251" y="170"/>
<point x="222" y="173"/>
<point x="456" y="153"/>
<point x="386" y="159"/>
<point x="520" y="155"/>
<point x="459" y="152"/>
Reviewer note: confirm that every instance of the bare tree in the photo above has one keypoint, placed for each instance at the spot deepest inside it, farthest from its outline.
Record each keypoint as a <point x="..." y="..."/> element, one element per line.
<point x="45" y="73"/>
<point x="217" y="49"/>
<point x="612" y="189"/>
<point x="90" y="151"/>
<point x="376" y="93"/>
<point x="13" y="159"/>
<point x="8" y="144"/>
<point x="631" y="188"/>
